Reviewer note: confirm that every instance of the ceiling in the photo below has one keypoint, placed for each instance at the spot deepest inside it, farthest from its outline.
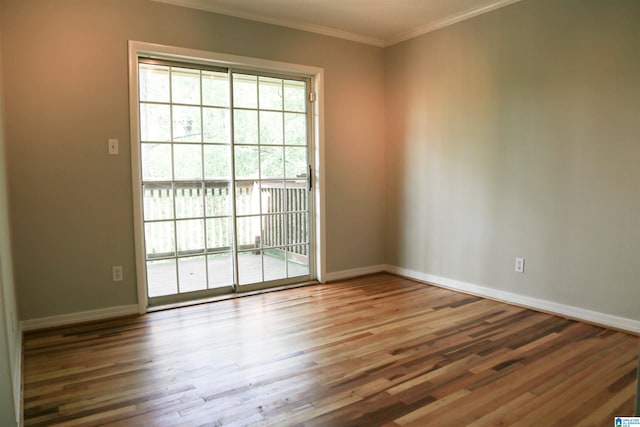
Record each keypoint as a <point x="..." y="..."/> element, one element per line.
<point x="375" y="22"/>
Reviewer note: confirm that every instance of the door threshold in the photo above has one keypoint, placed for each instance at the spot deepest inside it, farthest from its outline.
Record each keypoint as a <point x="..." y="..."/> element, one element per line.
<point x="225" y="297"/>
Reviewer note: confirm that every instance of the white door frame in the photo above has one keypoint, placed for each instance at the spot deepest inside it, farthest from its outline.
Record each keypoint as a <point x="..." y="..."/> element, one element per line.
<point x="138" y="49"/>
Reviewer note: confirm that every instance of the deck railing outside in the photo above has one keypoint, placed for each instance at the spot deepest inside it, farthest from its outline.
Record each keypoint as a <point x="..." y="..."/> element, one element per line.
<point x="283" y="223"/>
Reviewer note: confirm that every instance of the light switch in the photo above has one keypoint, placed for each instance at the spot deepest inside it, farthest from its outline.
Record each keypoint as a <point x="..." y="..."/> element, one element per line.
<point x="113" y="146"/>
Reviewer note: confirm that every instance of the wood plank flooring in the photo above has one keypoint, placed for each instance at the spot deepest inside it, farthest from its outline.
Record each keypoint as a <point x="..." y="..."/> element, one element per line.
<point x="378" y="350"/>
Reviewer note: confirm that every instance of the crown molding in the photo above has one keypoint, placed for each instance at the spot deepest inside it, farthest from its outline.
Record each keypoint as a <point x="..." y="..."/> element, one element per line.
<point x="450" y="20"/>
<point x="346" y="35"/>
<point x="311" y="28"/>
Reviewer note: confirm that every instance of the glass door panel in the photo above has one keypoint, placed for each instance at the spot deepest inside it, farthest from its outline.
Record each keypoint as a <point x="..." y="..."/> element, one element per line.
<point x="270" y="140"/>
<point x="224" y="161"/>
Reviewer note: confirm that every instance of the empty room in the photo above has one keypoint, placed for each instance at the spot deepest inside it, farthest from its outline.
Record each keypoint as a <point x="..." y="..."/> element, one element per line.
<point x="319" y="213"/>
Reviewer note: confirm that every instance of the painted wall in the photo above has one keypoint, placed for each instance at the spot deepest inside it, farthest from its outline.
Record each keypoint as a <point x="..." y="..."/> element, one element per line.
<point x="10" y="337"/>
<point x="517" y="134"/>
<point x="66" y="83"/>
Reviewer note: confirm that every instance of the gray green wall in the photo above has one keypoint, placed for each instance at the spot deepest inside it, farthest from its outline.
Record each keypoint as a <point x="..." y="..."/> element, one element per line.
<point x="10" y="337"/>
<point x="517" y="134"/>
<point x="66" y="83"/>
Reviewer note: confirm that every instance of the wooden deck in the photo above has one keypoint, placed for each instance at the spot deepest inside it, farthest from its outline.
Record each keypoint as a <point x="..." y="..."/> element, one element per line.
<point x="253" y="268"/>
<point x="378" y="350"/>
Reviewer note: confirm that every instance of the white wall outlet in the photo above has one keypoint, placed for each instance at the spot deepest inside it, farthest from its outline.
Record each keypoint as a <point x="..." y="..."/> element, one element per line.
<point x="116" y="273"/>
<point x="519" y="265"/>
<point x="113" y="146"/>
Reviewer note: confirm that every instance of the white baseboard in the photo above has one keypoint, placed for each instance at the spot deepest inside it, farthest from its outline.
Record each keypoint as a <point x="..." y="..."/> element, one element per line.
<point x="79" y="317"/>
<point x="348" y="274"/>
<point x="569" y="311"/>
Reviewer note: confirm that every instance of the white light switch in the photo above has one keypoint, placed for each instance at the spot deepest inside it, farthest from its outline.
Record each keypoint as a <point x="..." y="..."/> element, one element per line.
<point x="113" y="146"/>
<point x="116" y="273"/>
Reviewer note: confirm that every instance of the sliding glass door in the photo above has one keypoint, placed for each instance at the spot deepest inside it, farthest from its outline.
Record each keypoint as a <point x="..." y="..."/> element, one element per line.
<point x="225" y="177"/>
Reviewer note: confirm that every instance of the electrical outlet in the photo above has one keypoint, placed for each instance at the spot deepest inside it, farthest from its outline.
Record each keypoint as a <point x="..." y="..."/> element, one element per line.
<point x="519" y="265"/>
<point x="116" y="273"/>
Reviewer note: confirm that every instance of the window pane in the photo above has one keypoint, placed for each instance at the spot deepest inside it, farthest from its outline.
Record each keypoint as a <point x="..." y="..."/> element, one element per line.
<point x="298" y="260"/>
<point x="186" y="124"/>
<point x="245" y="127"/>
<point x="249" y="268"/>
<point x="272" y="162"/>
<point x="185" y="86"/>
<point x="296" y="162"/>
<point x="215" y="88"/>
<point x="295" y="129"/>
<point x="297" y="230"/>
<point x="162" y="277"/>
<point x="274" y="196"/>
<point x="218" y="199"/>
<point x="248" y="232"/>
<point x="245" y="91"/>
<point x="294" y="96"/>
<point x="187" y="161"/>
<point x="192" y="273"/>
<point x="297" y="196"/>
<point x="190" y="234"/>
<point x="158" y="201"/>
<point x="155" y="123"/>
<point x="216" y="125"/>
<point x="159" y="239"/>
<point x="274" y="264"/>
<point x="218" y="234"/>
<point x="217" y="162"/>
<point x="246" y="162"/>
<point x="156" y="162"/>
<point x="270" y="127"/>
<point x="270" y="93"/>
<point x="189" y="200"/>
<point x="154" y="83"/>
<point x="220" y="270"/>
<point x="273" y="230"/>
<point x="247" y="198"/>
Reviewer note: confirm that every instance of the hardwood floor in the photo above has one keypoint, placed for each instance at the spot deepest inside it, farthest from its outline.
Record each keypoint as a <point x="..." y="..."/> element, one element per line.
<point x="378" y="350"/>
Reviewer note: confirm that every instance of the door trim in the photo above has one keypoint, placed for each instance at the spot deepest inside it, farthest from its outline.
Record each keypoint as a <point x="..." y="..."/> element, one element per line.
<point x="142" y="49"/>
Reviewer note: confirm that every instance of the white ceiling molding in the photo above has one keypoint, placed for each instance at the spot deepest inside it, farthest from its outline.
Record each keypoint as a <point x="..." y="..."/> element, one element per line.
<point x="433" y="25"/>
<point x="311" y="28"/>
